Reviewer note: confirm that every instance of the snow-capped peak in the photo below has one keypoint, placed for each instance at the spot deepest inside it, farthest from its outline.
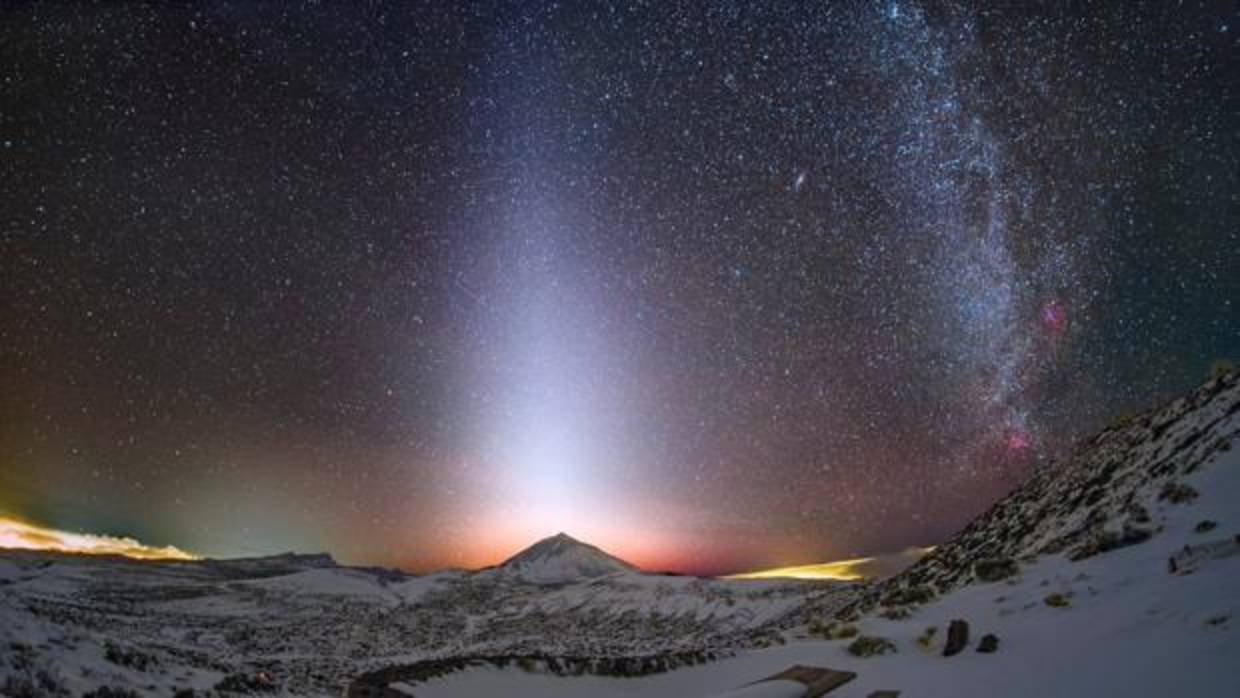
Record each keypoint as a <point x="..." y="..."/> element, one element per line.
<point x="560" y="559"/>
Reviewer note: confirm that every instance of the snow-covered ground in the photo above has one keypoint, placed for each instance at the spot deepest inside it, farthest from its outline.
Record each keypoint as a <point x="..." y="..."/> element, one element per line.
<point x="308" y="627"/>
<point x="1115" y="573"/>
<point x="1131" y="629"/>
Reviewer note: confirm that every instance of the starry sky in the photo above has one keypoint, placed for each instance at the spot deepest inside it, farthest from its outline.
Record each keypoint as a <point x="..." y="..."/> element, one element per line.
<point x="713" y="288"/>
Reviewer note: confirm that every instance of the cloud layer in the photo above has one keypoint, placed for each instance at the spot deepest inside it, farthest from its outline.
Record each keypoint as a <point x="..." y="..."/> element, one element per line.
<point x="845" y="570"/>
<point x="25" y="536"/>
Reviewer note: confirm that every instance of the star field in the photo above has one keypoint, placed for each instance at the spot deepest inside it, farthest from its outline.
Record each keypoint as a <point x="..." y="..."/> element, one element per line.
<point x="714" y="288"/>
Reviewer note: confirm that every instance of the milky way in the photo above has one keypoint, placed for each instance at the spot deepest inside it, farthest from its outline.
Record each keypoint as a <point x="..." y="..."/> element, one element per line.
<point x="712" y="288"/>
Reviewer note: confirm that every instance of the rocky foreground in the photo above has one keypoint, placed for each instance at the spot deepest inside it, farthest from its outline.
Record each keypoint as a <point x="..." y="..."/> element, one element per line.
<point x="1112" y="573"/>
<point x="302" y="625"/>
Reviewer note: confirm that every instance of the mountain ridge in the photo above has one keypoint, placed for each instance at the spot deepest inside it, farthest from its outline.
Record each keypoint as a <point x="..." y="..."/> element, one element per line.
<point x="1100" y="498"/>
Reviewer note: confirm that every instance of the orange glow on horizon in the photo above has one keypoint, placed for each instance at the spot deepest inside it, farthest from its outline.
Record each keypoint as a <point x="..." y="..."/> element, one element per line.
<point x="497" y="535"/>
<point x="480" y="552"/>
<point x="20" y="535"/>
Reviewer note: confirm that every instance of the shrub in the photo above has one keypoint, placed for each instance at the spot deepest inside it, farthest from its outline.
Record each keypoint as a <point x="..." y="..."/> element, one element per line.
<point x="833" y="630"/>
<point x="109" y="692"/>
<point x="1123" y="420"/>
<point x="1177" y="493"/>
<point x="841" y="631"/>
<point x="1057" y="600"/>
<point x="869" y="646"/>
<point x="1221" y="367"/>
<point x="18" y="687"/>
<point x="40" y="684"/>
<point x="993" y="569"/>
<point x="247" y="683"/>
<point x="131" y="658"/>
<point x="916" y="594"/>
<point x="896" y="613"/>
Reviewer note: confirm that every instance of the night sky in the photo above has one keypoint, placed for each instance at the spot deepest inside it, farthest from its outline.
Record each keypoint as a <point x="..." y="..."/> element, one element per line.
<point x="714" y="289"/>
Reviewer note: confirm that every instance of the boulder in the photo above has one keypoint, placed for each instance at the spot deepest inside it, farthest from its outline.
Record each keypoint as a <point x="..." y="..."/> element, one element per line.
<point x="1205" y="526"/>
<point x="957" y="638"/>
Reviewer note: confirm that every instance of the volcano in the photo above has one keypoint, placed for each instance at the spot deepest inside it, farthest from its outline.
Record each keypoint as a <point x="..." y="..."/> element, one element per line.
<point x="562" y="559"/>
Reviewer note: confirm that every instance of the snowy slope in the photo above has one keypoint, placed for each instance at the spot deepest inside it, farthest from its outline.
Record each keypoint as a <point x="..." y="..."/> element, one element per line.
<point x="310" y="627"/>
<point x="1099" y="499"/>
<point x="1131" y="628"/>
<point x="1134" y="539"/>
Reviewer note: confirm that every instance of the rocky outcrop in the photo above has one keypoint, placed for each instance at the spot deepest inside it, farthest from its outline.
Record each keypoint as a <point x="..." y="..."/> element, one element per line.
<point x="1097" y="500"/>
<point x="562" y="559"/>
<point x="957" y="638"/>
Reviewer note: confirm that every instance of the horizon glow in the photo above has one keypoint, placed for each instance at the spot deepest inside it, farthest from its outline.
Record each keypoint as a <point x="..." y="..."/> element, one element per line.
<point x="856" y="569"/>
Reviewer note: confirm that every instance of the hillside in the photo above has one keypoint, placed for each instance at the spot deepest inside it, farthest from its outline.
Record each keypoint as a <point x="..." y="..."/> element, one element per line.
<point x="1094" y="577"/>
<point x="1103" y="497"/>
<point x="308" y="627"/>
<point x="1112" y="573"/>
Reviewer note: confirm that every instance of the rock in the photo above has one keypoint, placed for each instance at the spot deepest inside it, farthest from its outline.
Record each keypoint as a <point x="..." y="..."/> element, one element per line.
<point x="869" y="646"/>
<point x="1205" y="526"/>
<point x="993" y="569"/>
<point x="1137" y="513"/>
<point x="957" y="638"/>
<point x="988" y="644"/>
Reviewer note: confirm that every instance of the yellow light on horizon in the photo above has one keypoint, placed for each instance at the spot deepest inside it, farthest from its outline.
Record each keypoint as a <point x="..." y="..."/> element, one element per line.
<point x="854" y="570"/>
<point x="841" y="570"/>
<point x="16" y="534"/>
